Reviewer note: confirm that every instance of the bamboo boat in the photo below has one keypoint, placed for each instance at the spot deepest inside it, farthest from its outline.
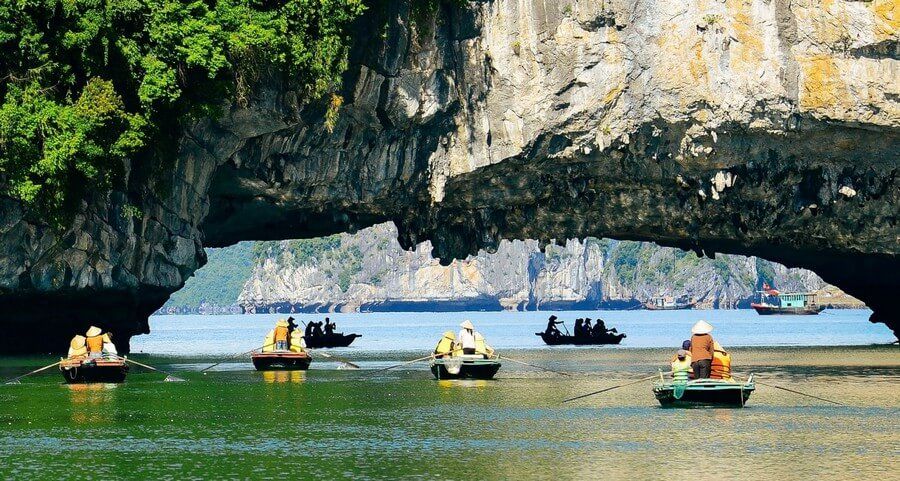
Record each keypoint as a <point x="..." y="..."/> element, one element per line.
<point x="280" y="361"/>
<point x="96" y="370"/>
<point x="703" y="393"/>
<point x="563" y="339"/>
<point x="465" y="366"/>
<point x="333" y="340"/>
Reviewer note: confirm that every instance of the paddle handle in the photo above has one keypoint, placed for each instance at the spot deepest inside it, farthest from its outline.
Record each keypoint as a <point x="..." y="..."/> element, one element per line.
<point x="32" y="372"/>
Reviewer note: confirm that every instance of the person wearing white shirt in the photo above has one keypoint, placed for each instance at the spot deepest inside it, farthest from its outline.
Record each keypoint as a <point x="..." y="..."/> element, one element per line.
<point x="466" y="337"/>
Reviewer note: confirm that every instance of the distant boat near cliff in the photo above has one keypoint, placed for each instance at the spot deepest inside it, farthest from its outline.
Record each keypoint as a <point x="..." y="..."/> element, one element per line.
<point x="773" y="302"/>
<point x="669" y="304"/>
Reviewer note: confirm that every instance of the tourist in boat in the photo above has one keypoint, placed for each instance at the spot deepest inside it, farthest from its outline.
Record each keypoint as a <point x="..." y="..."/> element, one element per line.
<point x="282" y="335"/>
<point x="317" y="329"/>
<point x="681" y="366"/>
<point x="466" y="337"/>
<point x="720" y="368"/>
<point x="308" y="332"/>
<point x="702" y="347"/>
<point x="77" y="347"/>
<point x="552" y="330"/>
<point x="108" y="346"/>
<point x="586" y="329"/>
<point x="579" y="327"/>
<point x="446" y="345"/>
<point x="98" y="343"/>
<point x="329" y="327"/>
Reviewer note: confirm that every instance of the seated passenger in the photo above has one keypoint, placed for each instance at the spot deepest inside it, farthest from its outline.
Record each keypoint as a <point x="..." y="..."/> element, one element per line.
<point x="586" y="328"/>
<point x="552" y="330"/>
<point x="445" y="345"/>
<point x="466" y="337"/>
<point x="77" y="348"/>
<point x="297" y="342"/>
<point x="481" y="347"/>
<point x="94" y="340"/>
<point x="282" y="335"/>
<point x="681" y="366"/>
<point x="721" y="363"/>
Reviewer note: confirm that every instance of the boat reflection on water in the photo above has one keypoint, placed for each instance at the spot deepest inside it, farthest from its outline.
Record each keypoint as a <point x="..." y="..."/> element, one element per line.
<point x="280" y="377"/>
<point x="92" y="403"/>
<point x="464" y="383"/>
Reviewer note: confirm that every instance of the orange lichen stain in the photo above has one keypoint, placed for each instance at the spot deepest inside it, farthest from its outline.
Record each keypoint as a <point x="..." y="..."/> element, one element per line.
<point x="749" y="49"/>
<point x="887" y="18"/>
<point x="697" y="64"/>
<point x="822" y="83"/>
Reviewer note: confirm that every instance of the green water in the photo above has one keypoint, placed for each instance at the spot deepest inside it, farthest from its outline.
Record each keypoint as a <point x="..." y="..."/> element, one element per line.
<point x="332" y="424"/>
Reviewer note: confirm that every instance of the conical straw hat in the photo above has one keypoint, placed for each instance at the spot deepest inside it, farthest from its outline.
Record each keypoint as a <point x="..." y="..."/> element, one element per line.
<point x="77" y="342"/>
<point x="94" y="331"/>
<point x="467" y="324"/>
<point x="701" y="327"/>
<point x="281" y="323"/>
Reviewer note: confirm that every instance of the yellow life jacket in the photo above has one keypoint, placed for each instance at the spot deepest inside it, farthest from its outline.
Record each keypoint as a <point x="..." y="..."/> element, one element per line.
<point x="269" y="344"/>
<point x="445" y="345"/>
<point x="298" y="344"/>
<point x="681" y="369"/>
<point x="481" y="346"/>
<point x="94" y="344"/>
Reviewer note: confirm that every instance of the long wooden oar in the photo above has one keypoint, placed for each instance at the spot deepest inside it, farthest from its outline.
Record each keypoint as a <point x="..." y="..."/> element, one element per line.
<point x="532" y="365"/>
<point x="169" y="376"/>
<point x="614" y="387"/>
<point x="331" y="356"/>
<point x="235" y="357"/>
<point x="430" y="356"/>
<point x="801" y="393"/>
<point x="15" y="380"/>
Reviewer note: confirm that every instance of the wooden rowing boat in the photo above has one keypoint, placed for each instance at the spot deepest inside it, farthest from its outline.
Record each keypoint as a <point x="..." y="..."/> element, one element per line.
<point x="703" y="393"/>
<point x="98" y="370"/>
<point x="562" y="339"/>
<point x="280" y="361"/>
<point x="466" y="366"/>
<point x="333" y="340"/>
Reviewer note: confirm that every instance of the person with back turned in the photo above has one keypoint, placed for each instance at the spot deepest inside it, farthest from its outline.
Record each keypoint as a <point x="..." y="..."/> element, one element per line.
<point x="466" y="337"/>
<point x="681" y="366"/>
<point x="552" y="330"/>
<point x="702" y="347"/>
<point x="282" y="335"/>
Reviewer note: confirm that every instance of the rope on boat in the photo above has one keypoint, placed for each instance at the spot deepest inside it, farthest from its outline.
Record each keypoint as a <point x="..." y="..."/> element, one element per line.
<point x="235" y="356"/>
<point x="614" y="387"/>
<point x="169" y="376"/>
<point x="15" y="380"/>
<point x="532" y="365"/>
<point x="801" y="393"/>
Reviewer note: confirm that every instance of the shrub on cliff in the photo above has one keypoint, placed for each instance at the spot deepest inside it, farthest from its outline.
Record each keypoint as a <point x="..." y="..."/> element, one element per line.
<point x="86" y="85"/>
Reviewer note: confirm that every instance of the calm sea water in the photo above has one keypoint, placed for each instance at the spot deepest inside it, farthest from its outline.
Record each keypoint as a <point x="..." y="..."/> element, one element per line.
<point x="328" y="423"/>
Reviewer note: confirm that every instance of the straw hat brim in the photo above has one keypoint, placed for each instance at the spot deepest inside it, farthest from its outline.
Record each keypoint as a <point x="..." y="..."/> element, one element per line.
<point x="467" y="325"/>
<point x="77" y="342"/>
<point x="94" y="331"/>
<point x="701" y="327"/>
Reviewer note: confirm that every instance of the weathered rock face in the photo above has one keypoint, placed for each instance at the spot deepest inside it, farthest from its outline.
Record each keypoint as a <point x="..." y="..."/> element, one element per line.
<point x="368" y="271"/>
<point x="758" y="127"/>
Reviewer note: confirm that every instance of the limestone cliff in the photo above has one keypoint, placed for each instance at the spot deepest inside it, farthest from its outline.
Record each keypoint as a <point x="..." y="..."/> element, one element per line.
<point x="757" y="127"/>
<point x="368" y="271"/>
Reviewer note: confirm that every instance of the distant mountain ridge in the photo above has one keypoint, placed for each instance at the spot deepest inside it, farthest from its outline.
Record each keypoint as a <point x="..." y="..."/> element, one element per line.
<point x="368" y="271"/>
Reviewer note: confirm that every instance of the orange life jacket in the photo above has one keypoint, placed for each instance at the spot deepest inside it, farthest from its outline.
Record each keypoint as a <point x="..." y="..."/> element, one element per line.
<point x="95" y="344"/>
<point x="721" y="365"/>
<point x="281" y="333"/>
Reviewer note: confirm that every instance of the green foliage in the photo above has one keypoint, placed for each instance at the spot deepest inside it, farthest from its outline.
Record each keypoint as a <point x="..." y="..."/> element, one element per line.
<point x="220" y="281"/>
<point x="624" y="256"/>
<point x="90" y="84"/>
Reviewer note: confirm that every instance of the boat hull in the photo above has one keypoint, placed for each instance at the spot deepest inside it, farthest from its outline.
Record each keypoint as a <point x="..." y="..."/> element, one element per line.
<point x="468" y="369"/>
<point x="334" y="340"/>
<point x="94" y="371"/>
<point x="764" y="310"/>
<point x="676" y="307"/>
<point x="281" y="361"/>
<point x="580" y="341"/>
<point x="705" y="393"/>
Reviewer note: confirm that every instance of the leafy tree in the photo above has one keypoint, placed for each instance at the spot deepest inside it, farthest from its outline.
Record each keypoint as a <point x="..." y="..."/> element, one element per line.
<point x="89" y="85"/>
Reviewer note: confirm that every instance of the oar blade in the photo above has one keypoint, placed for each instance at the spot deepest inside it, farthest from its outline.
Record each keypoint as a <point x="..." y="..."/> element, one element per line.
<point x="13" y="382"/>
<point x="171" y="378"/>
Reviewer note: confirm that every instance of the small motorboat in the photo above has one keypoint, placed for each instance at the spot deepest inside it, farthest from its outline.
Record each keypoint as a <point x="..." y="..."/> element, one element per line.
<point x="465" y="366"/>
<point x="94" y="370"/>
<point x="562" y="339"/>
<point x="280" y="361"/>
<point x="333" y="340"/>
<point x="703" y="393"/>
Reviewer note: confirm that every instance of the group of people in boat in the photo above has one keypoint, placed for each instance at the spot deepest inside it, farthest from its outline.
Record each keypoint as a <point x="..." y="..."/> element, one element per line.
<point x="93" y="344"/>
<point x="583" y="328"/>
<point x="467" y="342"/>
<point x="320" y="329"/>
<point x="701" y="357"/>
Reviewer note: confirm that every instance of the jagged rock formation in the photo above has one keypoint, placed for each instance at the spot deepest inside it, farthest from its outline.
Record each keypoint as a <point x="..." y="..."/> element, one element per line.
<point x="757" y="127"/>
<point x="368" y="271"/>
